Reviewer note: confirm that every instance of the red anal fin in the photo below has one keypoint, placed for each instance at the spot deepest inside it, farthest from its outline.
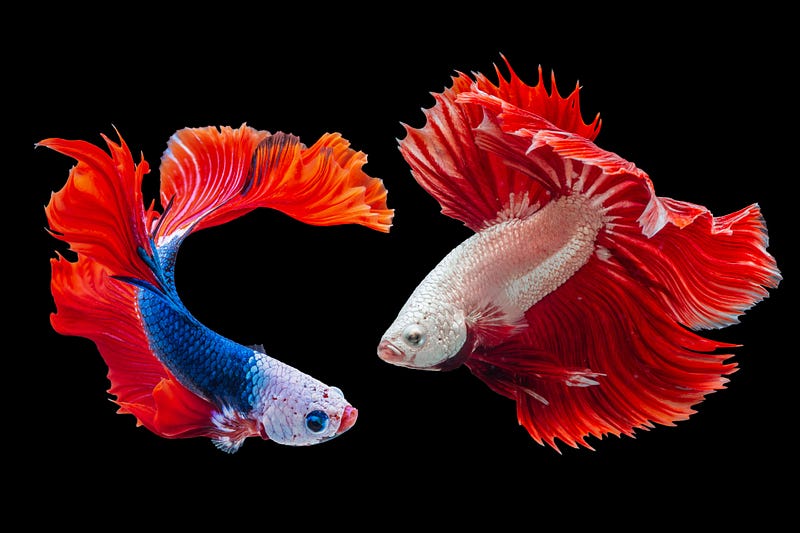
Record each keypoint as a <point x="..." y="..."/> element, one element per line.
<point x="649" y="369"/>
<point x="172" y="411"/>
<point x="520" y="367"/>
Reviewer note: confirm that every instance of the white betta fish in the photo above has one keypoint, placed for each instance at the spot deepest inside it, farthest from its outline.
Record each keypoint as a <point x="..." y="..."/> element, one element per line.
<point x="577" y="294"/>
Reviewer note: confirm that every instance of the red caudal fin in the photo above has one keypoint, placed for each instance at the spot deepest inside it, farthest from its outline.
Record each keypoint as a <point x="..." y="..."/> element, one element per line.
<point x="612" y="348"/>
<point x="210" y="176"/>
<point x="99" y="212"/>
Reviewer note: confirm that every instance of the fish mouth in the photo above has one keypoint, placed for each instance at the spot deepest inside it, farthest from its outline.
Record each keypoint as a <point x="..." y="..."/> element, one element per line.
<point x="349" y="417"/>
<point x="390" y="353"/>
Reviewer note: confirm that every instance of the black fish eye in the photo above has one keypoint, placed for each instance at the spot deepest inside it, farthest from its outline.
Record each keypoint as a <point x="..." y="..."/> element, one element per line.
<point x="414" y="335"/>
<point x="317" y="421"/>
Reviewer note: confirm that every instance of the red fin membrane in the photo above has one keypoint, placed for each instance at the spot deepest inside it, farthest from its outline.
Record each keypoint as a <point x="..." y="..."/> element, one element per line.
<point x="660" y="266"/>
<point x="212" y="176"/>
<point x="172" y="411"/>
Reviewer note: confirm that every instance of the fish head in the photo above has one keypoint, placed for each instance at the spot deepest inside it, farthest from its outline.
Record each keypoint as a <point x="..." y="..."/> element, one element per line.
<point x="301" y="411"/>
<point x="426" y="335"/>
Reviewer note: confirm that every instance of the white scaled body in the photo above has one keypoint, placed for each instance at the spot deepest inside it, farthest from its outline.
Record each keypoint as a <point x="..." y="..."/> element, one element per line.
<point x="491" y="280"/>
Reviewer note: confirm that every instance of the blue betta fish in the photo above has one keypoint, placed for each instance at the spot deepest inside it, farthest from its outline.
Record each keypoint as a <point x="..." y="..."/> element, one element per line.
<point x="179" y="378"/>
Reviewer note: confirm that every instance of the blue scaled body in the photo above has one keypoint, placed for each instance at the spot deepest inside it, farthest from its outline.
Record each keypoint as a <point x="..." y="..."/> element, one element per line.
<point x="210" y="365"/>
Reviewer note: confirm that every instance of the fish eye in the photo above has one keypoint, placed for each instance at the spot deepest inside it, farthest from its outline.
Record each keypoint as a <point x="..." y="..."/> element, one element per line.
<point x="317" y="421"/>
<point x="336" y="390"/>
<point x="414" y="335"/>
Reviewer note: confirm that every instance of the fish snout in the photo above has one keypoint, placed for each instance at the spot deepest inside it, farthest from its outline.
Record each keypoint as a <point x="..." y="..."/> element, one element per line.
<point x="349" y="417"/>
<point x="390" y="353"/>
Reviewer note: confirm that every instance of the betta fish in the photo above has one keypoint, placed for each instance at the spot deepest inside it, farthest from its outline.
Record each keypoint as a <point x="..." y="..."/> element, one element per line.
<point x="177" y="377"/>
<point x="580" y="292"/>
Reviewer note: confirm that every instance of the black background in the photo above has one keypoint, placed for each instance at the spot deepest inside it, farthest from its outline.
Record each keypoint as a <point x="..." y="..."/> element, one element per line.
<point x="699" y="104"/>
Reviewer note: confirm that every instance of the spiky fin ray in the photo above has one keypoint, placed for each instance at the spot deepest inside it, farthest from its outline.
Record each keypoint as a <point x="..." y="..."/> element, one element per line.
<point x="212" y="176"/>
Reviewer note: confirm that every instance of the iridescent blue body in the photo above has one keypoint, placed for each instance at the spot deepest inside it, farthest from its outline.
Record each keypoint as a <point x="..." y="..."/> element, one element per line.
<point x="210" y="365"/>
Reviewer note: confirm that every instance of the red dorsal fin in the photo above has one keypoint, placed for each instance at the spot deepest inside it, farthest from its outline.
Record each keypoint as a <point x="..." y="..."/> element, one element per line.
<point x="475" y="185"/>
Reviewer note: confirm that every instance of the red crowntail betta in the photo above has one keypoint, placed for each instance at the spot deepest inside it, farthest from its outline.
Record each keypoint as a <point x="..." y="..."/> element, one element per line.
<point x="176" y="376"/>
<point x="577" y="294"/>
